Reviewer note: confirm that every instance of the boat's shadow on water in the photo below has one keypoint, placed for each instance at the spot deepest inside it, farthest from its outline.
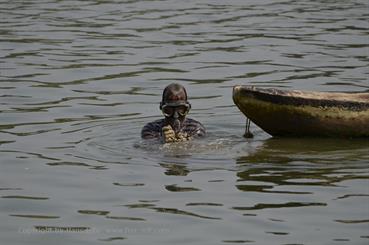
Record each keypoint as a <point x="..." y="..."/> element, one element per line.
<point x="284" y="163"/>
<point x="287" y="150"/>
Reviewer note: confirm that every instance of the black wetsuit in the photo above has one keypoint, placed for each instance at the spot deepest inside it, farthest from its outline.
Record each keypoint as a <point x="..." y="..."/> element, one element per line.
<point x="190" y="126"/>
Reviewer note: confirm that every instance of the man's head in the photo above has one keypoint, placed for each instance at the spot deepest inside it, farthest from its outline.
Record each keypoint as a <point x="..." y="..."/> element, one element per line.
<point x="174" y="105"/>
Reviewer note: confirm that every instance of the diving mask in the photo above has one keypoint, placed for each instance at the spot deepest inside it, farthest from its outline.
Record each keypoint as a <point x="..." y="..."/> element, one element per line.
<point x="170" y="110"/>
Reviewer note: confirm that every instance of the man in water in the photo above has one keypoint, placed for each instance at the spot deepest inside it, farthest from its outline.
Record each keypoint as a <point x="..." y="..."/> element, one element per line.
<point x="175" y="126"/>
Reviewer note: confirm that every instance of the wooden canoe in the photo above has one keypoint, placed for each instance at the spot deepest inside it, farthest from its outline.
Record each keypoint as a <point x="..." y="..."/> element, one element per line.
<point x="299" y="113"/>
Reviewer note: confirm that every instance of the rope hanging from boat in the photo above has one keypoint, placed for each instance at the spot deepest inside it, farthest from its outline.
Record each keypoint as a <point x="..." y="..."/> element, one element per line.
<point x="248" y="133"/>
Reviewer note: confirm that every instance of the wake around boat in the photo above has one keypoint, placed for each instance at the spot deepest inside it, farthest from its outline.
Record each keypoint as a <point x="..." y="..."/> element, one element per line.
<point x="299" y="113"/>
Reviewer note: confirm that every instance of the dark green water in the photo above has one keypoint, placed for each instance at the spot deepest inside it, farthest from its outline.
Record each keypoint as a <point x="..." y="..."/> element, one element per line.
<point x="79" y="79"/>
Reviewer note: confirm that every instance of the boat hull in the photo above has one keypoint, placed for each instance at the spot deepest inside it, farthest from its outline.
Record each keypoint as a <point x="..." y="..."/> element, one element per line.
<point x="297" y="113"/>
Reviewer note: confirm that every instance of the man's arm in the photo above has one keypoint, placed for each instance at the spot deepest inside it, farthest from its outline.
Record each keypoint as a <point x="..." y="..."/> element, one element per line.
<point x="149" y="131"/>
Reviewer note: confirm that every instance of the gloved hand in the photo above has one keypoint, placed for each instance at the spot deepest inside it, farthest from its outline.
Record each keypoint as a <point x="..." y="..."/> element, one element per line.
<point x="182" y="136"/>
<point x="168" y="134"/>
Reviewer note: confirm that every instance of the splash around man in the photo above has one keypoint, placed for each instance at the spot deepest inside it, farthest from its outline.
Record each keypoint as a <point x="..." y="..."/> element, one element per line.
<point x="175" y="127"/>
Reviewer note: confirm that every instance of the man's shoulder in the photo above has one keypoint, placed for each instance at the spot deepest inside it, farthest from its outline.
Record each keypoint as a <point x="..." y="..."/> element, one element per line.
<point x="152" y="129"/>
<point x="190" y="121"/>
<point x="155" y="124"/>
<point x="194" y="127"/>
